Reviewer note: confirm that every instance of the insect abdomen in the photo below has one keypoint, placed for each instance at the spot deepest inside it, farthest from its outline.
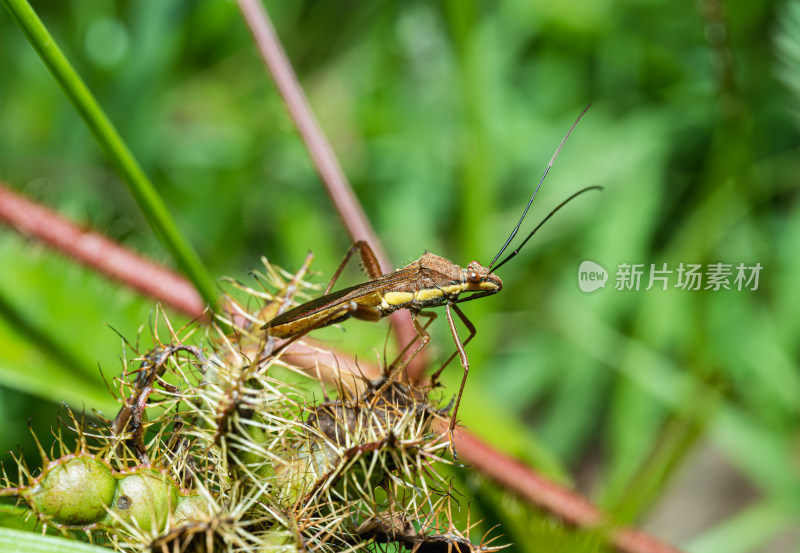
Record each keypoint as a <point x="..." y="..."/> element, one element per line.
<point x="317" y="320"/>
<point x="418" y="299"/>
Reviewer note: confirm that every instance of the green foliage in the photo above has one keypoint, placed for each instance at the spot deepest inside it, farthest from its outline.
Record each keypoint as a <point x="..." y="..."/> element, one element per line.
<point x="443" y="116"/>
<point x="15" y="541"/>
<point x="120" y="157"/>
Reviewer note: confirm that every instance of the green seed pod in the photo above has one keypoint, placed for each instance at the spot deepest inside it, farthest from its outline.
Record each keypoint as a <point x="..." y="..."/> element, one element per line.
<point x="252" y="450"/>
<point x="144" y="499"/>
<point x="193" y="508"/>
<point x="297" y="475"/>
<point x="76" y="492"/>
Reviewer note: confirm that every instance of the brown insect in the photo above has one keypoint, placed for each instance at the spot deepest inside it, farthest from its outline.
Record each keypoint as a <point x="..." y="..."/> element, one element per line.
<point x="428" y="282"/>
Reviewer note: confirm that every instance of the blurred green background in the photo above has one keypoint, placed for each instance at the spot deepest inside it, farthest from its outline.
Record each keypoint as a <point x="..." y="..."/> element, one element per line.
<point x="676" y="410"/>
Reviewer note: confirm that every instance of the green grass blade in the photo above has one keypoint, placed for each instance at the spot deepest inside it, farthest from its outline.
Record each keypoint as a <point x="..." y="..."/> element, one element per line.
<point x="751" y="529"/>
<point x="15" y="541"/>
<point x="140" y="187"/>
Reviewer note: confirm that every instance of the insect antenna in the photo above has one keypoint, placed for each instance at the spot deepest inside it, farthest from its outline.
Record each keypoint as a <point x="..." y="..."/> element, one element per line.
<point x="559" y="206"/>
<point x="538" y="186"/>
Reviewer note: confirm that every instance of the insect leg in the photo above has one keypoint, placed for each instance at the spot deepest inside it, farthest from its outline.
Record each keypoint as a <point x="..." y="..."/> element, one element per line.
<point x="472" y="331"/>
<point x="422" y="334"/>
<point x="368" y="261"/>
<point x="400" y="363"/>
<point x="464" y="363"/>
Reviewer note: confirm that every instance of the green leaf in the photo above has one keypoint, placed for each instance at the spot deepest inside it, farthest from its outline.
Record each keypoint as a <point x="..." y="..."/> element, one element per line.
<point x="54" y="327"/>
<point x="16" y="541"/>
<point x="751" y="529"/>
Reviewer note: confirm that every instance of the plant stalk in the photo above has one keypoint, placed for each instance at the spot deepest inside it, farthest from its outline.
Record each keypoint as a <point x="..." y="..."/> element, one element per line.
<point x="120" y="156"/>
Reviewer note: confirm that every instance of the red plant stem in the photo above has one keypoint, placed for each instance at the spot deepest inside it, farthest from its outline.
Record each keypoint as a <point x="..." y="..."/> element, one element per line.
<point x="320" y="150"/>
<point x="98" y="252"/>
<point x="153" y="280"/>
<point x="322" y="156"/>
<point x="571" y="507"/>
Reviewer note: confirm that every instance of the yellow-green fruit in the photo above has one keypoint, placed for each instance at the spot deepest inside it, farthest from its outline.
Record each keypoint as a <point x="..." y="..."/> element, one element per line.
<point x="144" y="499"/>
<point x="251" y="451"/>
<point x="193" y="508"/>
<point x="297" y="475"/>
<point x="76" y="492"/>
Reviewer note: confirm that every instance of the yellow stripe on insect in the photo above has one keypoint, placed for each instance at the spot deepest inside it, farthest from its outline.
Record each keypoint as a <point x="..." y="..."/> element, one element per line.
<point x="453" y="289"/>
<point x="428" y="294"/>
<point x="398" y="298"/>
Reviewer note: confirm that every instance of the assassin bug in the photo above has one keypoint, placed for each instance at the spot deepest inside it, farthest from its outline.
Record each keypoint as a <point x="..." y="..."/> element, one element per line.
<point x="428" y="282"/>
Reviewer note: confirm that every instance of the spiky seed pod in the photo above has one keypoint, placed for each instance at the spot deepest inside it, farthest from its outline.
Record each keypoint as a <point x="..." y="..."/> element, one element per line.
<point x="145" y="499"/>
<point x="262" y="470"/>
<point x="192" y="508"/>
<point x="73" y="492"/>
<point x="80" y="491"/>
<point x="296" y="475"/>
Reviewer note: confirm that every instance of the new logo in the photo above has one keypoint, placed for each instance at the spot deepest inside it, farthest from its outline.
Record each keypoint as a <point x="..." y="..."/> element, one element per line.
<point x="591" y="276"/>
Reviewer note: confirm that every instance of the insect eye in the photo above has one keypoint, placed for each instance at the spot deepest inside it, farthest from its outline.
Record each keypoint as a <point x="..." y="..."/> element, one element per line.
<point x="472" y="276"/>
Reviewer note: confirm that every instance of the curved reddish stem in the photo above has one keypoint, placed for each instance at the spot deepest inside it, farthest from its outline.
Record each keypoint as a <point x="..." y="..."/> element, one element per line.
<point x="98" y="252"/>
<point x="105" y="256"/>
